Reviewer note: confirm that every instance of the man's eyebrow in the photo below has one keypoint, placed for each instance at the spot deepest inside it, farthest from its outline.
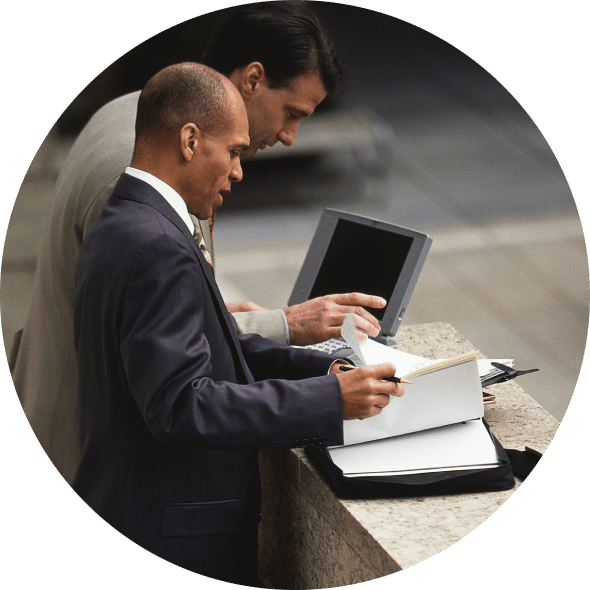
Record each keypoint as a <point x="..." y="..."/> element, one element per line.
<point x="300" y="112"/>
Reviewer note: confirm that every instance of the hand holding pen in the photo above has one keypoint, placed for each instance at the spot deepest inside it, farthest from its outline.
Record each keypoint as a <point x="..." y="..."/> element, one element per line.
<point x="392" y="379"/>
<point x="367" y="390"/>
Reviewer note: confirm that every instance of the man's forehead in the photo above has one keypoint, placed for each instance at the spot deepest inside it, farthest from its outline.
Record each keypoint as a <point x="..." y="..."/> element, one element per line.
<point x="239" y="134"/>
<point x="242" y="139"/>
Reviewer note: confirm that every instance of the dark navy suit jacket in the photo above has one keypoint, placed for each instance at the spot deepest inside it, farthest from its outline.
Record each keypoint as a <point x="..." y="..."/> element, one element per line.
<point x="172" y="404"/>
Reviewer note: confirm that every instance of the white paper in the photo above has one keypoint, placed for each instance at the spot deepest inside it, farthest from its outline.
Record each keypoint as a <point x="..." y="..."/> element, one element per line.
<point x="457" y="446"/>
<point x="349" y="335"/>
<point x="371" y="353"/>
<point x="445" y="396"/>
<point x="374" y="353"/>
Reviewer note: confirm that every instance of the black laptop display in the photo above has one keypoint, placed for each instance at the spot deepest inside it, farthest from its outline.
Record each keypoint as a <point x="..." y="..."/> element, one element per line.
<point x="354" y="253"/>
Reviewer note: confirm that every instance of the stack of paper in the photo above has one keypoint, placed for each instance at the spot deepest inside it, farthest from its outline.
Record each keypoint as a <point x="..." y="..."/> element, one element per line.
<point x="435" y="425"/>
<point x="449" y="448"/>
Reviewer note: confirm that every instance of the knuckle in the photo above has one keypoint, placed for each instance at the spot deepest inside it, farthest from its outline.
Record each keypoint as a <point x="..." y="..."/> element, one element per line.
<point x="328" y="304"/>
<point x="357" y="297"/>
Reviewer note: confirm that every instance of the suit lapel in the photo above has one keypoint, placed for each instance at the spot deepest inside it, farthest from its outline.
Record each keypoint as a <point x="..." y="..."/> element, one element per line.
<point x="129" y="187"/>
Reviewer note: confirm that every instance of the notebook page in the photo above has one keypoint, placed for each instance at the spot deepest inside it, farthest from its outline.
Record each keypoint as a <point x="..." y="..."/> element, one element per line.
<point x="457" y="446"/>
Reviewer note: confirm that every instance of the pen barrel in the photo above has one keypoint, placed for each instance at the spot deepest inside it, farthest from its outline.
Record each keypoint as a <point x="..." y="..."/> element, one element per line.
<point x="345" y="368"/>
<point x="392" y="379"/>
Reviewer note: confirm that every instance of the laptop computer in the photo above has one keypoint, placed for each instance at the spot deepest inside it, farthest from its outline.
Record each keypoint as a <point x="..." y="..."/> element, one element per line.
<point x="352" y="253"/>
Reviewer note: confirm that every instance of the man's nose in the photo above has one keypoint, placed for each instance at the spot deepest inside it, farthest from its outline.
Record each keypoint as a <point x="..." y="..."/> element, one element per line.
<point x="288" y="134"/>
<point x="236" y="173"/>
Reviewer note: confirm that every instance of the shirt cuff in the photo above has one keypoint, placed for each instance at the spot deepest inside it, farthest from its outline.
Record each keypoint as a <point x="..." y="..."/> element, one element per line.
<point x="341" y="360"/>
<point x="286" y="328"/>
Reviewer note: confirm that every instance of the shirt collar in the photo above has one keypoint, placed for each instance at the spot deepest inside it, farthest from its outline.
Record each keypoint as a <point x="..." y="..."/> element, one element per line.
<point x="171" y="196"/>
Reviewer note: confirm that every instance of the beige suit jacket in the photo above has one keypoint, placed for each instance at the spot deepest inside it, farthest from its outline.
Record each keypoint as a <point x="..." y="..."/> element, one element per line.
<point x="43" y="359"/>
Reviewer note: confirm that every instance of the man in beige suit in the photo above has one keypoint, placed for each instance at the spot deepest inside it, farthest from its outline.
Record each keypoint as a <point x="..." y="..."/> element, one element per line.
<point x="277" y="97"/>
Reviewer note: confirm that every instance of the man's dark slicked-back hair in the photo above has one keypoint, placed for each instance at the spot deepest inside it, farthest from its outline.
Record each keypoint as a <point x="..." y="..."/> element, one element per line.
<point x="287" y="41"/>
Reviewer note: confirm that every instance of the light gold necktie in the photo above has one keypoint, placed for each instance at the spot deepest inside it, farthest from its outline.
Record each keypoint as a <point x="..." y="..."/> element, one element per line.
<point x="202" y="247"/>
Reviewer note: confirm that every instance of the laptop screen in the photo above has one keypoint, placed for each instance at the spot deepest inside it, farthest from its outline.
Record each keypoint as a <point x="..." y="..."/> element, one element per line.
<point x="364" y="259"/>
<point x="352" y="253"/>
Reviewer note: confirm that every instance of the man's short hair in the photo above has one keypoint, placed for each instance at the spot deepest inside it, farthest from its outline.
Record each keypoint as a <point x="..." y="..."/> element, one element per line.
<point x="180" y="94"/>
<point x="289" y="42"/>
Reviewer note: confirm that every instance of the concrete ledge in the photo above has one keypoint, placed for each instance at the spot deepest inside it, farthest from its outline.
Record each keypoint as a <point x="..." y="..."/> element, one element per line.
<point x="309" y="538"/>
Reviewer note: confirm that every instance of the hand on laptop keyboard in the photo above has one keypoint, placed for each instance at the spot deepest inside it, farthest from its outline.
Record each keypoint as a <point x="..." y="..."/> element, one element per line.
<point x="321" y="318"/>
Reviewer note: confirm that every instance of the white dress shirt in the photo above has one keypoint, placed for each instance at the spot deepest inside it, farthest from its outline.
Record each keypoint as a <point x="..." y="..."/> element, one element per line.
<point x="171" y="196"/>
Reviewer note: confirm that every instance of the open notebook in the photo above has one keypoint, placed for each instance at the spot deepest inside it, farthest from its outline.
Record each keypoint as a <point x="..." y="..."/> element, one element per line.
<point x="436" y="425"/>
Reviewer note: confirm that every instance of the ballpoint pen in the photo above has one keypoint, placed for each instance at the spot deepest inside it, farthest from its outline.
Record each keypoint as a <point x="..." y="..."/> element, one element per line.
<point x="392" y="379"/>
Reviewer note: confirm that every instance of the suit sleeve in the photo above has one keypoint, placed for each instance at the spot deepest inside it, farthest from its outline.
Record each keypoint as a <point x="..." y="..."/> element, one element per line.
<point x="270" y="324"/>
<point x="166" y="325"/>
<point x="268" y="359"/>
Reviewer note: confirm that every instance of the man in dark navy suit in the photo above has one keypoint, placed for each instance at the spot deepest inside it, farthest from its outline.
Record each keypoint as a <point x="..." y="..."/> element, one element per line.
<point x="172" y="404"/>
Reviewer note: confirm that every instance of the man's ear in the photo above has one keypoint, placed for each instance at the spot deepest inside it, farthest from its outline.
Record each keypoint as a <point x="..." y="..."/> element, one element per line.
<point x="250" y="79"/>
<point x="189" y="136"/>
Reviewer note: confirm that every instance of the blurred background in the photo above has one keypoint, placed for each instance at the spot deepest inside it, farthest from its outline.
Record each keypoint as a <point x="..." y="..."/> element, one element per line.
<point x="420" y="136"/>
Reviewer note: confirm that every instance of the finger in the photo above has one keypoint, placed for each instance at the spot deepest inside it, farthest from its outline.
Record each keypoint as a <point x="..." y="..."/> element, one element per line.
<point x="360" y="299"/>
<point x="399" y="390"/>
<point x="388" y="388"/>
<point x="337" y="307"/>
<point x="334" y="332"/>
<point x="363" y="321"/>
<point x="382" y="400"/>
<point x="361" y="335"/>
<point x="371" y="411"/>
<point x="381" y="370"/>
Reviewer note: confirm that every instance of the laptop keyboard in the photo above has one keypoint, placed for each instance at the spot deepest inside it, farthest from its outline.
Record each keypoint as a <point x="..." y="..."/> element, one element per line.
<point x="332" y="346"/>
